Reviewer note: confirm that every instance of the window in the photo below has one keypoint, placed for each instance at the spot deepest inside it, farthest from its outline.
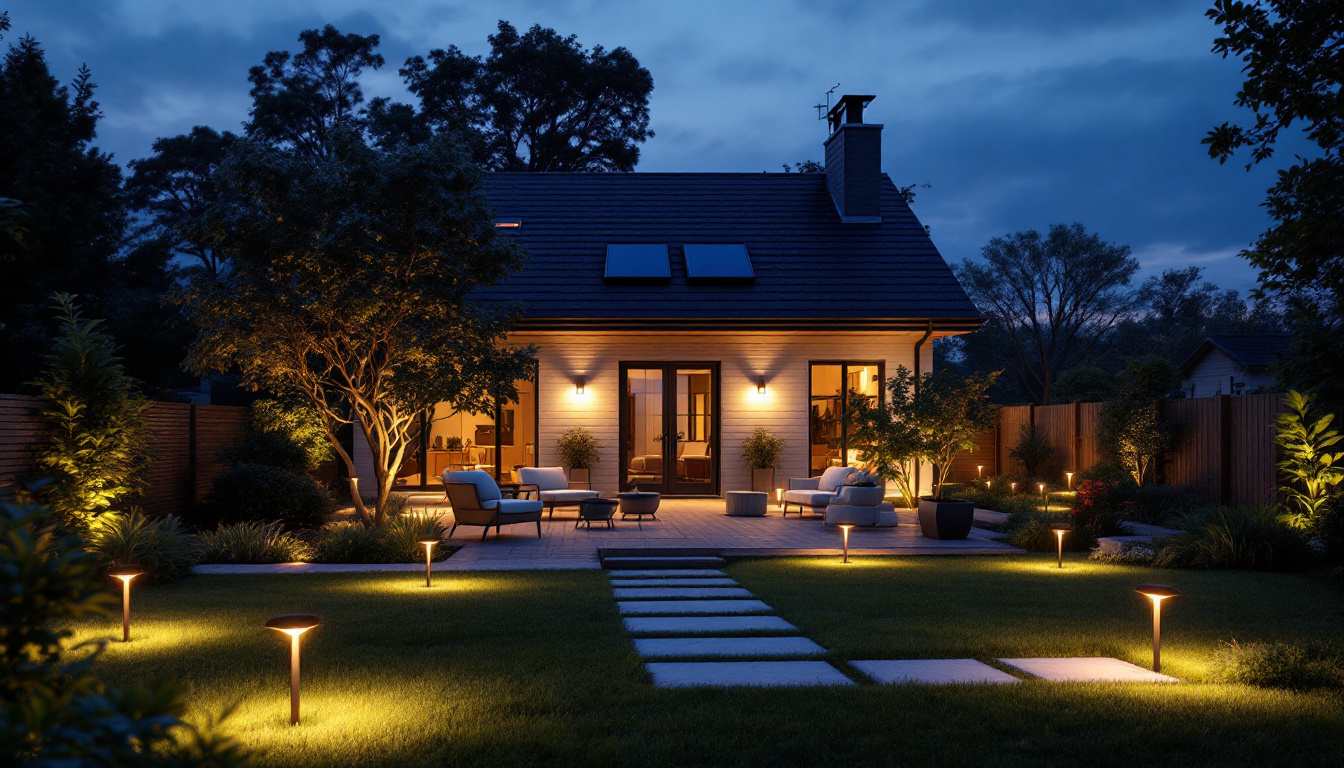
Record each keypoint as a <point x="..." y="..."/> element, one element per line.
<point x="828" y="409"/>
<point x="499" y="441"/>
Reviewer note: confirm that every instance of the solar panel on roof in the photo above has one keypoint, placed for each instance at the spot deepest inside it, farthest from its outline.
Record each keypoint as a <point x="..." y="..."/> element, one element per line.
<point x="637" y="262"/>
<point x="718" y="262"/>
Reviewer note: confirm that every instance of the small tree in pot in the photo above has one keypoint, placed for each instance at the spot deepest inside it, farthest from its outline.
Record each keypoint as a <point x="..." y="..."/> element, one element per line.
<point x="761" y="452"/>
<point x="578" y="450"/>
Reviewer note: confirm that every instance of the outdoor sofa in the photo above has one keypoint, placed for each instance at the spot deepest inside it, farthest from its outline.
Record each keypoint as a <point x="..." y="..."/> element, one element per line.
<point x="815" y="492"/>
<point x="476" y="500"/>
<point x="553" y="487"/>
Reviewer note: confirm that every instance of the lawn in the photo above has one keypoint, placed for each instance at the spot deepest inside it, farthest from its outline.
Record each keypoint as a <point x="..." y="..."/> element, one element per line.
<point x="535" y="669"/>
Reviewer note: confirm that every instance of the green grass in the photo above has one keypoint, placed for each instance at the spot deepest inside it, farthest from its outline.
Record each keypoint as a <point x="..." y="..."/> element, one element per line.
<point x="534" y="669"/>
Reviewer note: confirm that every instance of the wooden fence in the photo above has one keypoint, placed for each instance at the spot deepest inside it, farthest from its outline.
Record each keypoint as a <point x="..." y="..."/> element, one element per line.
<point x="186" y="443"/>
<point x="1226" y="453"/>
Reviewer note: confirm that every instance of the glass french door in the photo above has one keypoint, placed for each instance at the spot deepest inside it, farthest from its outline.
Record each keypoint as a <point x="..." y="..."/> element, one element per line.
<point x="669" y="427"/>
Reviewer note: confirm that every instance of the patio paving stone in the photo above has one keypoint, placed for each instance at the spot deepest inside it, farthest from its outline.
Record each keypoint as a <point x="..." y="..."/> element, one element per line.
<point x="670" y="582"/>
<point x="701" y="607"/>
<point x="933" y="671"/>
<point x="707" y="624"/>
<point x="664" y="647"/>
<point x="1098" y="669"/>
<point x="678" y="674"/>
<point x="636" y="593"/>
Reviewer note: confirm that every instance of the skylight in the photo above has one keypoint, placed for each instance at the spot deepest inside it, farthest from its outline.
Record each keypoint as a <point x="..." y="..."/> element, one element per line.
<point x="637" y="262"/>
<point x="718" y="262"/>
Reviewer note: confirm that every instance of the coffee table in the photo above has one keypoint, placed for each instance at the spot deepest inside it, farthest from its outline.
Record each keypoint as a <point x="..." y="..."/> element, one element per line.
<point x="600" y="510"/>
<point x="745" y="503"/>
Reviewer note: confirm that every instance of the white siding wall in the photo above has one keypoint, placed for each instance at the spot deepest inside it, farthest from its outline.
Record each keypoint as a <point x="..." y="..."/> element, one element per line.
<point x="1213" y="374"/>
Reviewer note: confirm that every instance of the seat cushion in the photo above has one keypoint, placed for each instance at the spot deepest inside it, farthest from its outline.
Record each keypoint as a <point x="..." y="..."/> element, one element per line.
<point x="833" y="478"/>
<point x="809" y="498"/>
<point x="486" y="490"/>
<point x="568" y="495"/>
<point x="545" y="478"/>
<point x="518" y="506"/>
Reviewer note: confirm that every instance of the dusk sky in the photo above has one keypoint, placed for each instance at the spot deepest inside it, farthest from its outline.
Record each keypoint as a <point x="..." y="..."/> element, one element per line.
<point x="1019" y="114"/>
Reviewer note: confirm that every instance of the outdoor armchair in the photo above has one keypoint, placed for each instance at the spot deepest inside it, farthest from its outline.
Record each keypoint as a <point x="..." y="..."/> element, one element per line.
<point x="553" y="487"/>
<point x="476" y="500"/>
<point x="815" y="492"/>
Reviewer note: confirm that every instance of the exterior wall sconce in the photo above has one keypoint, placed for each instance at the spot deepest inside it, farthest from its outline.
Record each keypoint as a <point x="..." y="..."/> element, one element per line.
<point x="294" y="625"/>
<point x="760" y="385"/>
<point x="125" y="573"/>
<point x="1157" y="593"/>
<point x="578" y="385"/>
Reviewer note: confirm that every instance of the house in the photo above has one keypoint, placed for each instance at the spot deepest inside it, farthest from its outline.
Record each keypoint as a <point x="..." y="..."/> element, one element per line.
<point x="1231" y="365"/>
<point x="674" y="313"/>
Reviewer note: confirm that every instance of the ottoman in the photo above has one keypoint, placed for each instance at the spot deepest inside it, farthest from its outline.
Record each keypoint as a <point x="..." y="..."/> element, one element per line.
<point x="746" y="503"/>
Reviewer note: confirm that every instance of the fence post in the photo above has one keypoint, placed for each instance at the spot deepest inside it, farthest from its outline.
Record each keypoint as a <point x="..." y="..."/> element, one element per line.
<point x="1224" y="449"/>
<point x="191" y="457"/>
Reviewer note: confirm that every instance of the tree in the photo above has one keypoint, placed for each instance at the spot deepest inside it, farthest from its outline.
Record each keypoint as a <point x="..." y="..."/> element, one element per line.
<point x="537" y="102"/>
<point x="175" y="186"/>
<point x="1086" y="383"/>
<point x="1049" y="301"/>
<point x="350" y="289"/>
<point x="304" y="101"/>
<point x="1131" y="430"/>
<point x="96" y="442"/>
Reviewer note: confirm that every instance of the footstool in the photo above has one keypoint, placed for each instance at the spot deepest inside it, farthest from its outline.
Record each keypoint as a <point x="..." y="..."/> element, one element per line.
<point x="746" y="503"/>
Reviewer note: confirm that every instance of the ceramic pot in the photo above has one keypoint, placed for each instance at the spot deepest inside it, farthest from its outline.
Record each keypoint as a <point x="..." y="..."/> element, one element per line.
<point x="949" y="519"/>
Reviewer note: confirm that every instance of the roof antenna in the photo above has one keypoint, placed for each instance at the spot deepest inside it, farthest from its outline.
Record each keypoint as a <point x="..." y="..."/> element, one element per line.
<point x="824" y="109"/>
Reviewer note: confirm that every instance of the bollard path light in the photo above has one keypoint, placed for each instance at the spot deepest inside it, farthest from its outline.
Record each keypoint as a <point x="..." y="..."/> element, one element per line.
<point x="1068" y="477"/>
<point x="1157" y="593"/>
<point x="844" y="531"/>
<point x="779" y="498"/>
<point x="125" y="573"/>
<point x="294" y="625"/>
<point x="979" y="470"/>
<point x="1060" y="529"/>
<point x="428" y="543"/>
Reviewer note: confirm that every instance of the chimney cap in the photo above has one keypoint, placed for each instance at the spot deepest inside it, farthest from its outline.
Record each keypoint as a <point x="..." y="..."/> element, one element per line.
<point x="849" y="109"/>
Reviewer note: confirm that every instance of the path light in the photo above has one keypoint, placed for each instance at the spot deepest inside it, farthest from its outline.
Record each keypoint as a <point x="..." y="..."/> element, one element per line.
<point x="1012" y="487"/>
<point x="1068" y="477"/>
<point x="125" y="573"/>
<point x="979" y="470"/>
<point x="1041" y="488"/>
<point x="428" y="543"/>
<point x="844" y="531"/>
<point x="294" y="625"/>
<point x="1157" y="593"/>
<point x="1060" y="529"/>
<point x="779" y="498"/>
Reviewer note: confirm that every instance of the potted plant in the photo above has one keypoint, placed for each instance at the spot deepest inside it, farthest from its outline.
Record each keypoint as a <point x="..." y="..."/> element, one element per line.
<point x="578" y="449"/>
<point x="761" y="452"/>
<point x="930" y="419"/>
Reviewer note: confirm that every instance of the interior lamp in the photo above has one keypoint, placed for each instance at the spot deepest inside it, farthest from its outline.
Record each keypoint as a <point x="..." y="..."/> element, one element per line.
<point x="1157" y="593"/>
<point x="294" y="625"/>
<point x="126" y="573"/>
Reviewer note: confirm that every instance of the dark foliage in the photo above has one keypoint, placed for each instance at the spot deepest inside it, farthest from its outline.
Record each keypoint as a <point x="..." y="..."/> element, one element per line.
<point x="1297" y="666"/>
<point x="1099" y="509"/>
<point x="253" y="492"/>
<point x="1235" y="538"/>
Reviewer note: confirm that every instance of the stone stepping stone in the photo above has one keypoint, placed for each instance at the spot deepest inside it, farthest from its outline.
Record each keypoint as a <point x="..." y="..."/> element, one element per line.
<point x="666" y="573"/>
<point x="722" y="582"/>
<point x="665" y="647"/>
<point x="933" y="671"/>
<point x="701" y="607"/>
<point x="707" y="624"/>
<point x="663" y="562"/>
<point x="637" y="593"/>
<point x="1096" y="669"/>
<point x="679" y="674"/>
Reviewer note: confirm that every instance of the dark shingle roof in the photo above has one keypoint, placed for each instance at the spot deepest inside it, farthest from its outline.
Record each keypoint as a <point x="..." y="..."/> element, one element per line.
<point x="808" y="266"/>
<point x="1249" y="350"/>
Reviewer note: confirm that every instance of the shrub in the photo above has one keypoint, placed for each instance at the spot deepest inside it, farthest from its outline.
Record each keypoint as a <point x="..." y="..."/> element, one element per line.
<point x="1155" y="504"/>
<point x="286" y="436"/>
<point x="1032" y="450"/>
<point x="1031" y="531"/>
<point x="762" y="449"/>
<point x="1140" y="553"/>
<point x="253" y="542"/>
<point x="395" y="542"/>
<point x="577" y="448"/>
<point x="1099" y="509"/>
<point x="397" y="505"/>
<point x="158" y="545"/>
<point x="1297" y="666"/>
<point x="256" y="492"/>
<point x="1312" y="467"/>
<point x="404" y="533"/>
<point x="1235" y="537"/>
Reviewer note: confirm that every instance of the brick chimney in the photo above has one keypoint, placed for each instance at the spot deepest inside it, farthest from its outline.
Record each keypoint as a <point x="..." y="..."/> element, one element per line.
<point x="854" y="162"/>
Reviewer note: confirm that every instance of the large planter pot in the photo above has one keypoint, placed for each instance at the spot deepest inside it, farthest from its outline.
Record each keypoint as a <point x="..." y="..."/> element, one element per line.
<point x="577" y="475"/>
<point x="946" y="519"/>
<point x="864" y="496"/>
<point x="763" y="480"/>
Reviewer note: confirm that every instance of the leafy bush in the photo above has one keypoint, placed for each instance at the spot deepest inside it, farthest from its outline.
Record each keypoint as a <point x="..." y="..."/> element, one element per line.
<point x="1099" y="509"/>
<point x="1031" y="531"/>
<point x="1155" y="504"/>
<point x="577" y="448"/>
<point x="395" y="542"/>
<point x="1032" y="450"/>
<point x="1296" y="666"/>
<point x="398" y="504"/>
<point x="256" y="492"/>
<point x="286" y="436"/>
<point x="1235" y="537"/>
<point x="762" y="449"/>
<point x="159" y="545"/>
<point x="404" y="533"/>
<point x="1311" y="470"/>
<point x="253" y="542"/>
<point x="1140" y="553"/>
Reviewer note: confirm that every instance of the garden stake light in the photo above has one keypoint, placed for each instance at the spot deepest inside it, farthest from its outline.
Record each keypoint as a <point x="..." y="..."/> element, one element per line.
<point x="125" y="573"/>
<point x="1060" y="529"/>
<point x="428" y="543"/>
<point x="1068" y="478"/>
<point x="979" y="470"/>
<point x="1012" y="487"/>
<point x="1157" y="593"/>
<point x="779" y="498"/>
<point x="294" y="625"/>
<point x="844" y="531"/>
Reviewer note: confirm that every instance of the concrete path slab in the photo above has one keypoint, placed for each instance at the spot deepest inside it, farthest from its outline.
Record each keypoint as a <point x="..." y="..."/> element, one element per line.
<point x="699" y="607"/>
<point x="717" y="582"/>
<point x="707" y="624"/>
<point x="638" y="593"/>
<point x="1098" y="669"/>
<point x="678" y="674"/>
<point x="677" y="573"/>
<point x="934" y="671"/>
<point x="666" y="647"/>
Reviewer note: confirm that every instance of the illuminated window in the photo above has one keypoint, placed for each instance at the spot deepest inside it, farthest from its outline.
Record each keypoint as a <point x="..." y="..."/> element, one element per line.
<point x="828" y="409"/>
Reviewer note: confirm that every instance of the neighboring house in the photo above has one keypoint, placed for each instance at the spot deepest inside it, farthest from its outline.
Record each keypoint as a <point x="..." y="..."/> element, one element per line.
<point x="1231" y="365"/>
<point x="674" y="313"/>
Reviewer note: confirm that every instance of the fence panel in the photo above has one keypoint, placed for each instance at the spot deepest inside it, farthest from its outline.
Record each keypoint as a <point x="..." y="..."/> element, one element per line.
<point x="1011" y="420"/>
<point x="1088" y="454"/>
<point x="1056" y="423"/>
<point x="1196" y="464"/>
<point x="1254" y="453"/>
<point x="20" y="429"/>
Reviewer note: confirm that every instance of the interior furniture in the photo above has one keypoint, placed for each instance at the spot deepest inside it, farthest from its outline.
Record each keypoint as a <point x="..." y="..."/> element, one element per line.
<point x="553" y="488"/>
<point x="639" y="504"/>
<point x="693" y="461"/>
<point x="596" y="510"/>
<point x="476" y="500"/>
<point x="815" y="492"/>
